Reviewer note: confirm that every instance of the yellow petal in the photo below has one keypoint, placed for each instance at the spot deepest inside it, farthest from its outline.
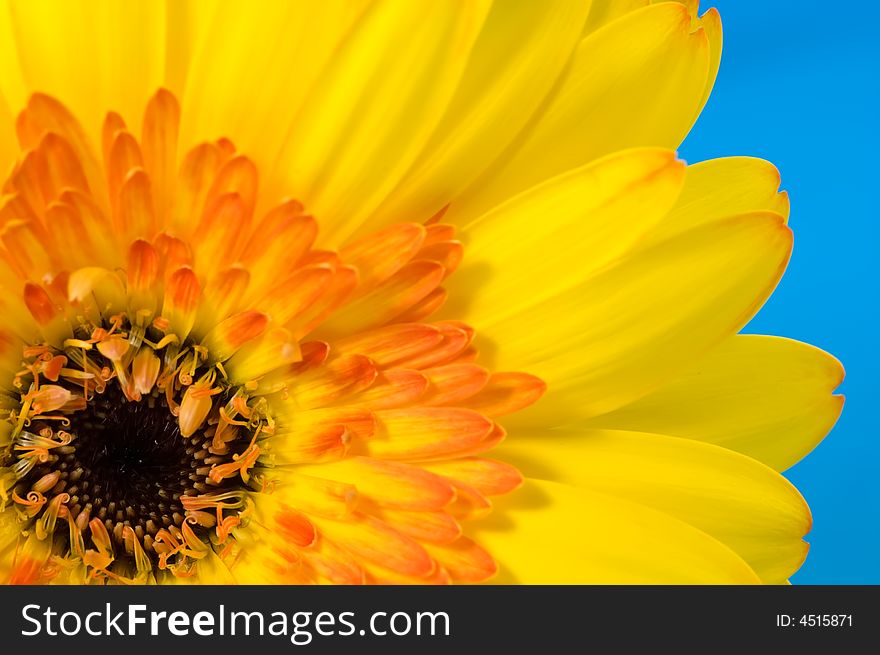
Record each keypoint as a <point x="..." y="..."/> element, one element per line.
<point x="711" y="24"/>
<point x="551" y="533"/>
<point x="735" y="499"/>
<point x="638" y="81"/>
<point x="256" y="61"/>
<point x="767" y="397"/>
<point x="724" y="187"/>
<point x="603" y="12"/>
<point x="527" y="249"/>
<point x="519" y="55"/>
<point x="375" y="106"/>
<point x="91" y="55"/>
<point x="641" y="321"/>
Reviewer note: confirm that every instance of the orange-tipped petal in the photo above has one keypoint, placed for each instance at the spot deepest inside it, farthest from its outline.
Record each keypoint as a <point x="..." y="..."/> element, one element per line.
<point x="159" y="145"/>
<point x="136" y="216"/>
<point x="424" y="308"/>
<point x="407" y="287"/>
<point x="225" y="291"/>
<point x="507" y="393"/>
<point x="426" y="432"/>
<point x="39" y="304"/>
<point x="452" y="383"/>
<point x="219" y="235"/>
<point x="464" y="560"/>
<point x="393" y="345"/>
<point x="143" y="265"/>
<point x="194" y="181"/>
<point x="434" y="527"/>
<point x="232" y="333"/>
<point x="488" y="476"/>
<point x="238" y="176"/>
<point x="390" y="484"/>
<point x="292" y="297"/>
<point x="374" y="541"/>
<point x="455" y="338"/>
<point x="381" y="254"/>
<point x="63" y="167"/>
<point x="394" y="388"/>
<point x="338" y="290"/>
<point x="337" y="379"/>
<point x="182" y="295"/>
<point x="278" y="242"/>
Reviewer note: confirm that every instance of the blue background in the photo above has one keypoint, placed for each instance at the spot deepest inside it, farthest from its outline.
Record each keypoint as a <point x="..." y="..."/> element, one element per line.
<point x="799" y="86"/>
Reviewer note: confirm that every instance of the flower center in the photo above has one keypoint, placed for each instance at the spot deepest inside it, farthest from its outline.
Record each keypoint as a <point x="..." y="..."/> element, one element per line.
<point x="127" y="465"/>
<point x="127" y="436"/>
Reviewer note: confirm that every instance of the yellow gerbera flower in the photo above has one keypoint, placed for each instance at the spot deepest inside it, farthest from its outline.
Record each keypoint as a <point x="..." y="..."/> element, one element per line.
<point x="232" y="347"/>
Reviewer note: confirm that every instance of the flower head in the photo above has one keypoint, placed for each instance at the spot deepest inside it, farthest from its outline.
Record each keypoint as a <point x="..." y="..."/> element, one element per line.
<point x="293" y="352"/>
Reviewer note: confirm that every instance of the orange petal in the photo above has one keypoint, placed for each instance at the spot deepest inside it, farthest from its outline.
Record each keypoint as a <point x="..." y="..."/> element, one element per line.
<point x="312" y="494"/>
<point x="337" y="379"/>
<point x="238" y="176"/>
<point x="143" y="265"/>
<point x="279" y="242"/>
<point x="39" y="304"/>
<point x="436" y="527"/>
<point x="27" y="248"/>
<point x="424" y="308"/>
<point x="437" y="233"/>
<point x="113" y="125"/>
<point x="397" y="294"/>
<point x="45" y="114"/>
<point x="488" y="476"/>
<point x="337" y="291"/>
<point x="453" y="383"/>
<point x="447" y="253"/>
<point x="374" y="541"/>
<point x="182" y="295"/>
<point x="218" y="237"/>
<point x="316" y="442"/>
<point x="194" y="181"/>
<point x="294" y="527"/>
<point x="394" y="388"/>
<point x="507" y="393"/>
<point x="30" y="181"/>
<point x="159" y="145"/>
<point x="464" y="560"/>
<point x="65" y="225"/>
<point x="395" y="344"/>
<point x="455" y="338"/>
<point x="469" y="503"/>
<point x="136" y="217"/>
<point x="225" y="291"/>
<point x="426" y="432"/>
<point x="381" y="254"/>
<point x="174" y="253"/>
<point x="124" y="158"/>
<point x="273" y="349"/>
<point x="63" y="167"/>
<point x="287" y="301"/>
<point x="359" y="422"/>
<point x="334" y="564"/>
<point x="389" y="484"/>
<point x="232" y="333"/>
